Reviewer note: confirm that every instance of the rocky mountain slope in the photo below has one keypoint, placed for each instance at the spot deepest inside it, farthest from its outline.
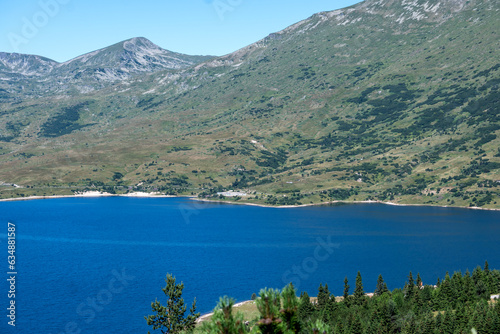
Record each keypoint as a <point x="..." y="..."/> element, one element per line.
<point x="384" y="100"/>
<point x="92" y="71"/>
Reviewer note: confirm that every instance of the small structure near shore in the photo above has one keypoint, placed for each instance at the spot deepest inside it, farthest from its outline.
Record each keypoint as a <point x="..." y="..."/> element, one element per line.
<point x="231" y="193"/>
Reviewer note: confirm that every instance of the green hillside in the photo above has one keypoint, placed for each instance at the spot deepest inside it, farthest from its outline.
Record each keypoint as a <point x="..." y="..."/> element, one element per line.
<point x="385" y="100"/>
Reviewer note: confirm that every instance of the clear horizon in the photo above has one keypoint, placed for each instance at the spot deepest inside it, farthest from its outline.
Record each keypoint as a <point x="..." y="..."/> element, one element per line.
<point x="64" y="29"/>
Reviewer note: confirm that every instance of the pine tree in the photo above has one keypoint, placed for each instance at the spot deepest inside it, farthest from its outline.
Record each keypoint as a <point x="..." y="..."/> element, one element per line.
<point x="477" y="274"/>
<point x="323" y="296"/>
<point x="425" y="297"/>
<point x="373" y="327"/>
<point x="357" y="325"/>
<point x="223" y="321"/>
<point x="410" y="288"/>
<point x="346" y="291"/>
<point x="269" y="305"/>
<point x="460" y="317"/>
<point x="170" y="318"/>
<point x="290" y="308"/>
<point x="488" y="279"/>
<point x="468" y="289"/>
<point x="319" y="327"/>
<point x="482" y="290"/>
<point x="448" y="323"/>
<point x="359" y="293"/>
<point x="420" y="284"/>
<point x="409" y="326"/>
<point x="428" y="324"/>
<point x="446" y="292"/>
<point x="387" y="312"/>
<point x="305" y="309"/>
<point x="381" y="286"/>
<point x="457" y="281"/>
<point x="495" y="319"/>
<point x="478" y="319"/>
<point x="339" y="328"/>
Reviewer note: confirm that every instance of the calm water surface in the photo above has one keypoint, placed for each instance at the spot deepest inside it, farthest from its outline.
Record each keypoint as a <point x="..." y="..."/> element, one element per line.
<point x="96" y="264"/>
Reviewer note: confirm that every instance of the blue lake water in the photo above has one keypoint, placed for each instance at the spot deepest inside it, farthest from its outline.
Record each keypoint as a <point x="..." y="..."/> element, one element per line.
<point x="94" y="265"/>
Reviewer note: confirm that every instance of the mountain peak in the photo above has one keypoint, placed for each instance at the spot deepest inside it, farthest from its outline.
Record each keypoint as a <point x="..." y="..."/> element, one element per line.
<point x="139" y="41"/>
<point x="28" y="65"/>
<point x="134" y="55"/>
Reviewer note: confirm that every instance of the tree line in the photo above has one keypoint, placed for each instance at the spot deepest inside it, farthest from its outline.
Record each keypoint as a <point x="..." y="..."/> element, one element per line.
<point x="458" y="304"/>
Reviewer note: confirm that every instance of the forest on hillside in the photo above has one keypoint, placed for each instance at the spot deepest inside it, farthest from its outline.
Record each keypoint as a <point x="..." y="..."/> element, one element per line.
<point x="458" y="304"/>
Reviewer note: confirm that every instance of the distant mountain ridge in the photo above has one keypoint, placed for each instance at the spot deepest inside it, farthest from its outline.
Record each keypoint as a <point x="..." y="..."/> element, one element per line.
<point x="94" y="70"/>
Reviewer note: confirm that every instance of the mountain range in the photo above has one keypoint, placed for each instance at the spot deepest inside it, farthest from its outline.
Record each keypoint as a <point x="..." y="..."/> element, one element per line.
<point x="385" y="100"/>
<point x="90" y="71"/>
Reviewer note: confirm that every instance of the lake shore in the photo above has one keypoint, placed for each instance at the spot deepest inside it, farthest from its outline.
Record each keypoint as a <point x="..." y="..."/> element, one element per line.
<point x="339" y="202"/>
<point x="90" y="194"/>
<point x="236" y="306"/>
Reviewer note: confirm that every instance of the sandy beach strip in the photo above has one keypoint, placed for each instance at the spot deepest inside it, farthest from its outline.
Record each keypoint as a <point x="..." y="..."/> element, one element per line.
<point x="91" y="194"/>
<point x="159" y="195"/>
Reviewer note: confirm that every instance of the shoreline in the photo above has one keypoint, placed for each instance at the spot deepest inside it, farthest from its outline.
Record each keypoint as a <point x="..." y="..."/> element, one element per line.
<point x="205" y="316"/>
<point x="341" y="202"/>
<point x="95" y="194"/>
<point x="91" y="194"/>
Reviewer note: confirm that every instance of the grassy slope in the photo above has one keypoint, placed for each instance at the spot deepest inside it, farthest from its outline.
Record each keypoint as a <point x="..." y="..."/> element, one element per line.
<point x="406" y="112"/>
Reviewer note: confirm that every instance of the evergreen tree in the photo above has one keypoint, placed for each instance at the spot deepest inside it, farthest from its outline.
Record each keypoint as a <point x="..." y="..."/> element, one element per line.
<point x="427" y="325"/>
<point x="290" y="308"/>
<point x="357" y="325"/>
<point x="387" y="313"/>
<point x="223" y="321"/>
<point x="170" y="318"/>
<point x="448" y="323"/>
<point x="482" y="290"/>
<point x="323" y="296"/>
<point x="456" y="284"/>
<point x="346" y="291"/>
<point x="306" y="309"/>
<point x="409" y="326"/>
<point x="477" y="274"/>
<point x="410" y="287"/>
<point x="446" y="293"/>
<point x="488" y="279"/>
<point x="468" y="290"/>
<point x="373" y="327"/>
<point x="460" y="317"/>
<point x="381" y="286"/>
<point x="269" y="306"/>
<point x="420" y="284"/>
<point x="425" y="297"/>
<point x="339" y="328"/>
<point x="359" y="293"/>
<point x="319" y="327"/>
<point x="495" y="319"/>
<point x="478" y="319"/>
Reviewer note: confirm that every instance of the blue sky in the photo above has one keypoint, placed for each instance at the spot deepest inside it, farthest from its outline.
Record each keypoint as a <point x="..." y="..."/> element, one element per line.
<point x="64" y="29"/>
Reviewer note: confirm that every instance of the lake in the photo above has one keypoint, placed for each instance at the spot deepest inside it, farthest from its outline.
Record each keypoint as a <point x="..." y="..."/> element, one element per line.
<point x="96" y="264"/>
